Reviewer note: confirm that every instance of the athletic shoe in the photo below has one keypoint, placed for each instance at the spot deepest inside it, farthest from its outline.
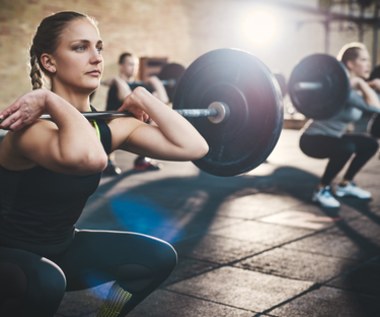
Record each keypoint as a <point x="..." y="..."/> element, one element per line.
<point x="352" y="190"/>
<point x="325" y="198"/>
<point x="145" y="164"/>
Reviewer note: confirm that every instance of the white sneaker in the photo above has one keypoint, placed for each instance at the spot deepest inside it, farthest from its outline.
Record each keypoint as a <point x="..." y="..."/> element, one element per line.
<point x="325" y="198"/>
<point x="352" y="190"/>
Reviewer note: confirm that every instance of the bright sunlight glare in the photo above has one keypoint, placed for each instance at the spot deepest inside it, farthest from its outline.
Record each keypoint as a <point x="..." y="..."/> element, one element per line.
<point x="259" y="27"/>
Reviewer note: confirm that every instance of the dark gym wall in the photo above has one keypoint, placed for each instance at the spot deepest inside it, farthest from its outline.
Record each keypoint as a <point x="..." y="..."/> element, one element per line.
<point x="178" y="29"/>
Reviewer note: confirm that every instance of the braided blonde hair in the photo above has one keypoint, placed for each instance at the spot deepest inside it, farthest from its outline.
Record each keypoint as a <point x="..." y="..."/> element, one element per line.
<point x="350" y="52"/>
<point x="46" y="40"/>
<point x="35" y="71"/>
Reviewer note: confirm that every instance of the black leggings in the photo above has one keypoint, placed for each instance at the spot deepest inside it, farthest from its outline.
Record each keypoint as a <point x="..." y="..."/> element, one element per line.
<point x="373" y="127"/>
<point x="33" y="286"/>
<point x="339" y="151"/>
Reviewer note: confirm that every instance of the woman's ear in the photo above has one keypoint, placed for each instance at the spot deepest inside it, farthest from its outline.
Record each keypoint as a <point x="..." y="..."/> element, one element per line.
<point x="350" y="65"/>
<point x="48" y="63"/>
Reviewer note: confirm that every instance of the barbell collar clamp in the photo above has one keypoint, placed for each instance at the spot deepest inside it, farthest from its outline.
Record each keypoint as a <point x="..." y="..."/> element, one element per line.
<point x="222" y="112"/>
<point x="216" y="112"/>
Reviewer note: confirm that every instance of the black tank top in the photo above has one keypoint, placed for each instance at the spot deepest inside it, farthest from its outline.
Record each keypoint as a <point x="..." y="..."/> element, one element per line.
<point x="113" y="102"/>
<point x="38" y="207"/>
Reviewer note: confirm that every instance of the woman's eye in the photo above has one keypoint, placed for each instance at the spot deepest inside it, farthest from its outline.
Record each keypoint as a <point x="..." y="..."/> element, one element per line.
<point x="80" y="48"/>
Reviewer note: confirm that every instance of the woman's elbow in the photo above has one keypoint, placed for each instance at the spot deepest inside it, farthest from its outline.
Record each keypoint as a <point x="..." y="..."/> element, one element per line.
<point x="201" y="150"/>
<point x="87" y="163"/>
<point x="97" y="162"/>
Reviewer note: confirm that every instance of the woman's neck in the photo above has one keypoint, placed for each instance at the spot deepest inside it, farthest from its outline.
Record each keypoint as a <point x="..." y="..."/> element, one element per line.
<point x="81" y="101"/>
<point x="127" y="78"/>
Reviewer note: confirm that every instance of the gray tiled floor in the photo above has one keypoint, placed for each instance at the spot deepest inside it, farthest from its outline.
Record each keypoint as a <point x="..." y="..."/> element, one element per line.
<point x="250" y="245"/>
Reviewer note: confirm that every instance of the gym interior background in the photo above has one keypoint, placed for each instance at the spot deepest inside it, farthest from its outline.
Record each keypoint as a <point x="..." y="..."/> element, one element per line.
<point x="279" y="32"/>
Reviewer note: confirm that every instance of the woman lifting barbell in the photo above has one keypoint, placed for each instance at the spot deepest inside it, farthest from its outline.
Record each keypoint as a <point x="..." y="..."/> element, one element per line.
<point x="49" y="168"/>
<point x="329" y="138"/>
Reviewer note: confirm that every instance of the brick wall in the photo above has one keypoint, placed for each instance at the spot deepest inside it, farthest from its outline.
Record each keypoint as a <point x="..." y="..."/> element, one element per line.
<point x="178" y="29"/>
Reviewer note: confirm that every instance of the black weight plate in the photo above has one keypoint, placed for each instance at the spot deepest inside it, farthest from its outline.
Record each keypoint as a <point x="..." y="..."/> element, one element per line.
<point x="171" y="71"/>
<point x="239" y="79"/>
<point x="327" y="101"/>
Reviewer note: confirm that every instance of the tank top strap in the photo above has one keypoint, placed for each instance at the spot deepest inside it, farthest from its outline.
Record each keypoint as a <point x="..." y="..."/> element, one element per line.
<point x="105" y="133"/>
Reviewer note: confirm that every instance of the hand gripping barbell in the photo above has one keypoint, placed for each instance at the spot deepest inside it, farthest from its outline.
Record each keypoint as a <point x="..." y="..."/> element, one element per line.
<point x="236" y="106"/>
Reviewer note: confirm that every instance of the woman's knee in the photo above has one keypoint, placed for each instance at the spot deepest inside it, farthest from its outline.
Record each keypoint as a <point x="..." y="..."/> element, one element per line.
<point x="345" y="149"/>
<point x="373" y="146"/>
<point x="360" y="144"/>
<point x="150" y="268"/>
<point x="156" y="254"/>
<point x="166" y="257"/>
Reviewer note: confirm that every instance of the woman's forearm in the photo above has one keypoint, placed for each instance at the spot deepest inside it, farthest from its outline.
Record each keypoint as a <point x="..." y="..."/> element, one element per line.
<point x="172" y="125"/>
<point x="369" y="94"/>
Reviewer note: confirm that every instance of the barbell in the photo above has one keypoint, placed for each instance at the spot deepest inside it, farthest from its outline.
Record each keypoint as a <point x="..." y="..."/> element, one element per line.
<point x="235" y="103"/>
<point x="319" y="86"/>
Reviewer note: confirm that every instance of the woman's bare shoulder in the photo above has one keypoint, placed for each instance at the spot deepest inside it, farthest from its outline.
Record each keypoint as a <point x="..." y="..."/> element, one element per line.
<point x="11" y="151"/>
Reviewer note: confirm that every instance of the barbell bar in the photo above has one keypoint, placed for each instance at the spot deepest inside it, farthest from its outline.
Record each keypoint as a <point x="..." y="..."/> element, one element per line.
<point x="302" y="86"/>
<point x="216" y="113"/>
<point x="235" y="103"/>
<point x="166" y="82"/>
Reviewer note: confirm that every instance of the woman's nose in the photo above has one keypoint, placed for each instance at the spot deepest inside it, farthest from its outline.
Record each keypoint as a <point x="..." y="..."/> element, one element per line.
<point x="96" y="57"/>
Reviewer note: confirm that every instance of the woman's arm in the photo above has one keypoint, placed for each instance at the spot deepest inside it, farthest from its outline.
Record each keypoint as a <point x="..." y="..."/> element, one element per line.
<point x="369" y="95"/>
<point x="122" y="86"/>
<point x="172" y="137"/>
<point x="375" y="84"/>
<point x="158" y="89"/>
<point x="357" y="101"/>
<point x="123" y="90"/>
<point x="68" y="143"/>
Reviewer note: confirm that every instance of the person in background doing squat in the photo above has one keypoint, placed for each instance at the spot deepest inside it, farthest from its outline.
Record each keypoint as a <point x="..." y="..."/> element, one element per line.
<point x="330" y="138"/>
<point x="49" y="168"/>
<point x="120" y="87"/>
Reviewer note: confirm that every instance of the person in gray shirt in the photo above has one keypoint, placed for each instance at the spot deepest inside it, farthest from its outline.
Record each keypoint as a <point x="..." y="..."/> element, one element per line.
<point x="331" y="139"/>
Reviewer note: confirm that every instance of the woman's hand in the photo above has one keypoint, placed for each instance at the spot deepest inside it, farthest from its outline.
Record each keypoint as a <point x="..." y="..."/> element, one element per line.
<point x="375" y="84"/>
<point x="357" y="83"/>
<point x="134" y="104"/>
<point x="171" y="137"/>
<point x="24" y="111"/>
<point x="365" y="90"/>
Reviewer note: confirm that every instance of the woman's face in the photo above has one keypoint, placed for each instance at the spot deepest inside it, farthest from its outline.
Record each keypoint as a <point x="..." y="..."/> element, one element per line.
<point x="128" y="68"/>
<point x="361" y="66"/>
<point x="78" y="61"/>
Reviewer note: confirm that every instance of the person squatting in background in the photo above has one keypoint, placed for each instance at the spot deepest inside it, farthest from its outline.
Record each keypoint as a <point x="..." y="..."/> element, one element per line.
<point x="49" y="168"/>
<point x="121" y="86"/>
<point x="331" y="139"/>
